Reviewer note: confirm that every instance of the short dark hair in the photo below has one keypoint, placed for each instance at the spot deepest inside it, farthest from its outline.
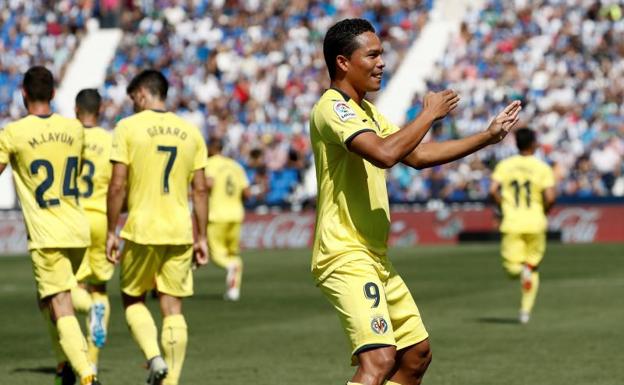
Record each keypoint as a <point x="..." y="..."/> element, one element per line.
<point x="525" y="138"/>
<point x="88" y="101"/>
<point x="153" y="81"/>
<point x="341" y="40"/>
<point x="39" y="84"/>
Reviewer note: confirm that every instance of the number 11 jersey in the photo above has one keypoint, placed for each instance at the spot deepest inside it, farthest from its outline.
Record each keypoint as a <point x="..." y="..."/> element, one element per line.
<point x="45" y="155"/>
<point x="162" y="152"/>
<point x="523" y="179"/>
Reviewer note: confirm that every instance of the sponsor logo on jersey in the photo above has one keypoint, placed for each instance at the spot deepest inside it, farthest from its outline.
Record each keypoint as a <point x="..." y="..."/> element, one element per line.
<point x="343" y="111"/>
<point x="379" y="325"/>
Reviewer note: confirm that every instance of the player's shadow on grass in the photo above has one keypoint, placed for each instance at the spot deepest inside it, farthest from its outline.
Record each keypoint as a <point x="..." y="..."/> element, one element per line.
<point x="39" y="369"/>
<point x="498" y="320"/>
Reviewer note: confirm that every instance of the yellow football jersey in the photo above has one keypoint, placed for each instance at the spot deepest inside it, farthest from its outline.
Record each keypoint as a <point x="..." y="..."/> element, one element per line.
<point x="96" y="169"/>
<point x="522" y="180"/>
<point x="352" y="205"/>
<point x="229" y="181"/>
<point x="45" y="155"/>
<point x="162" y="151"/>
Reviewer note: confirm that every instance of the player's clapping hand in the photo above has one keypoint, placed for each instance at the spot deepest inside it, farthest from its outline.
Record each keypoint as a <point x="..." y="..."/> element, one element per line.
<point x="112" y="248"/>
<point x="439" y="104"/>
<point x="200" y="249"/>
<point x="504" y="122"/>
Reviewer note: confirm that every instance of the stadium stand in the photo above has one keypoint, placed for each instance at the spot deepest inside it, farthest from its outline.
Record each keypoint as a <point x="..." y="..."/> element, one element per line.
<point x="561" y="59"/>
<point x="35" y="33"/>
<point x="250" y="72"/>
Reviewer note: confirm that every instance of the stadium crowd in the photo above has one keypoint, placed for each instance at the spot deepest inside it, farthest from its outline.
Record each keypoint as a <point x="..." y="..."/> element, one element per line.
<point x="248" y="72"/>
<point x="562" y="59"/>
<point x="36" y="33"/>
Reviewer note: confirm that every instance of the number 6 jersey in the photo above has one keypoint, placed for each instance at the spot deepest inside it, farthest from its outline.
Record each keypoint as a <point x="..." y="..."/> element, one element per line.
<point x="523" y="180"/>
<point x="45" y="154"/>
<point x="162" y="151"/>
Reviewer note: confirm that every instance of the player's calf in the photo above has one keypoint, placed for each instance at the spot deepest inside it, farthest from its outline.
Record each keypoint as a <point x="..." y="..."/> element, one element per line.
<point x="375" y="366"/>
<point x="411" y="364"/>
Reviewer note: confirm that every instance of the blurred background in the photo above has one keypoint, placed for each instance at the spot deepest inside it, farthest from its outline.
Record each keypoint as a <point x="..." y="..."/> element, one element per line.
<point x="250" y="71"/>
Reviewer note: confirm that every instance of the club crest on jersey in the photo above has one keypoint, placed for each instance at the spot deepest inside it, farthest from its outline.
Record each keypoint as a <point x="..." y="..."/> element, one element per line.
<point x="343" y="111"/>
<point x="379" y="325"/>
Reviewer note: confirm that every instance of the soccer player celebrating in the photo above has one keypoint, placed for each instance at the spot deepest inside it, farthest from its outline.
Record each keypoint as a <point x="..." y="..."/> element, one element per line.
<point x="90" y="296"/>
<point x="45" y="152"/>
<point x="155" y="154"/>
<point x="228" y="186"/>
<point x="523" y="186"/>
<point x="353" y="144"/>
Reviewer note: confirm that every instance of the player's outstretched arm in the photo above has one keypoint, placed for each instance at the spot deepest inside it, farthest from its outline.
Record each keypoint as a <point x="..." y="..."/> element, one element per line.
<point x="114" y="201"/>
<point x="388" y="151"/>
<point x="433" y="153"/>
<point x="200" y="216"/>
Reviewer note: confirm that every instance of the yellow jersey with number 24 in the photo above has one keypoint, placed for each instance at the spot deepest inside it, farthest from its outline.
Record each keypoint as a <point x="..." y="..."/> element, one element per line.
<point x="45" y="154"/>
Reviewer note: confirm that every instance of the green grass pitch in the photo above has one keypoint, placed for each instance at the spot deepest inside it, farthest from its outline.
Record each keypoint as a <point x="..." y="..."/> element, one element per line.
<point x="284" y="332"/>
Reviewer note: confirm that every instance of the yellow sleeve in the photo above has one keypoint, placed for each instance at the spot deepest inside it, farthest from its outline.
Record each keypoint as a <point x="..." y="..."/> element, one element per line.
<point x="340" y="123"/>
<point x="548" y="178"/>
<point x="201" y="155"/>
<point x="387" y="128"/>
<point x="5" y="147"/>
<point x="119" y="150"/>
<point x="498" y="175"/>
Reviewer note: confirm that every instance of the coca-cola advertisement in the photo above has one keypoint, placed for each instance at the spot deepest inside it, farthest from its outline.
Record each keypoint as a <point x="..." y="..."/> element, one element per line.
<point x="577" y="224"/>
<point x="288" y="230"/>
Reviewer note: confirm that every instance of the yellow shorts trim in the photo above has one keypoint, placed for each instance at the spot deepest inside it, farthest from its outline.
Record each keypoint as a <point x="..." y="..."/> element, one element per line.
<point x="54" y="269"/>
<point x="374" y="305"/>
<point x="165" y="267"/>
<point x="95" y="268"/>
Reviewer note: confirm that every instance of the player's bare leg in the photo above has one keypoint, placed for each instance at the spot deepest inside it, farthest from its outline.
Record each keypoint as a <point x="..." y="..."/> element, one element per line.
<point x="375" y="366"/>
<point x="411" y="364"/>
<point x="174" y="336"/>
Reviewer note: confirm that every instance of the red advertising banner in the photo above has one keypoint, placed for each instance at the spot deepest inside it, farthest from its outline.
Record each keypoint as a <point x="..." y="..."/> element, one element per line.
<point x="577" y="224"/>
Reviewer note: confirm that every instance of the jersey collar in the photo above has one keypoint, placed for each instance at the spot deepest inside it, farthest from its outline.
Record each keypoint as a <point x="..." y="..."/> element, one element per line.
<point x="342" y="93"/>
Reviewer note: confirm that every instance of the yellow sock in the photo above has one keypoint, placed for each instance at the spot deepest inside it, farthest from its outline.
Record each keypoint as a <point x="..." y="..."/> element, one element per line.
<point x="74" y="345"/>
<point x="353" y="383"/>
<point x="54" y="337"/>
<point x="81" y="299"/>
<point x="235" y="273"/>
<point x="173" y="339"/>
<point x="143" y="329"/>
<point x="102" y="298"/>
<point x="528" y="296"/>
<point x="391" y="383"/>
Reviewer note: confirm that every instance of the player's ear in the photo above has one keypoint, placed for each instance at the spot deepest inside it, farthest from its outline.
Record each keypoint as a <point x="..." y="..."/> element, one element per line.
<point x="342" y="63"/>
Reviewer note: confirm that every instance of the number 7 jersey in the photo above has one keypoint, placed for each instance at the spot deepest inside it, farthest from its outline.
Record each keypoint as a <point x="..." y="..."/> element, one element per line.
<point x="162" y="152"/>
<point x="523" y="180"/>
<point x="45" y="154"/>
